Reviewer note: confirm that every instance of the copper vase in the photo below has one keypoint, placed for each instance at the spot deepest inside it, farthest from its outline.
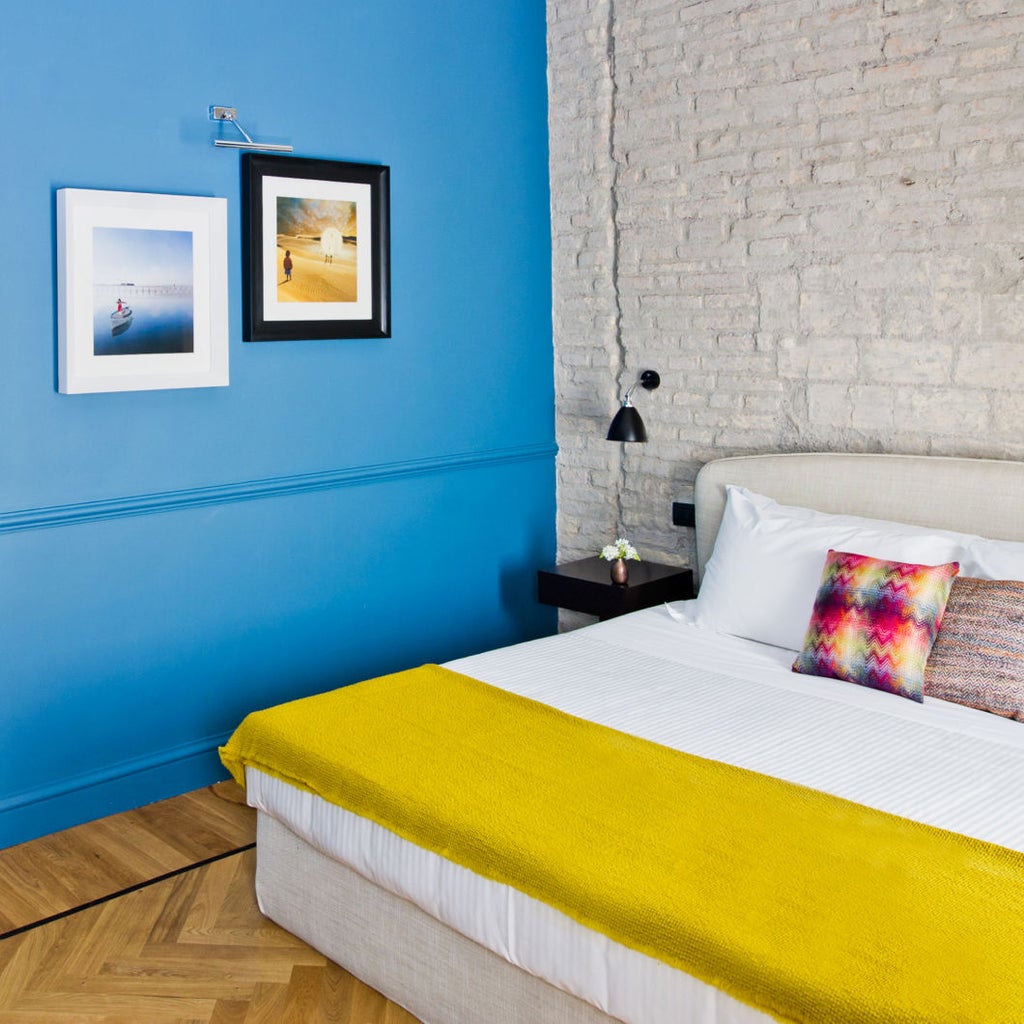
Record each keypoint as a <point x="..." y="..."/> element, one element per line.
<point x="620" y="571"/>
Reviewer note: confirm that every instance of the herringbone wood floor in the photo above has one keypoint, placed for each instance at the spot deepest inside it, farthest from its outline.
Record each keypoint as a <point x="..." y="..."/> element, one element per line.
<point x="190" y="949"/>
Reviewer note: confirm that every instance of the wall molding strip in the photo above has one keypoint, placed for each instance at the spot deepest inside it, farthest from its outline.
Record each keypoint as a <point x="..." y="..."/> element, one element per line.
<point x="251" y="490"/>
<point x="114" y="772"/>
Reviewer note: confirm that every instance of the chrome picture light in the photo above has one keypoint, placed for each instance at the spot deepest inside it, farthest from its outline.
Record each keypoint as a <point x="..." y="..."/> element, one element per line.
<point x="627" y="425"/>
<point x="230" y="115"/>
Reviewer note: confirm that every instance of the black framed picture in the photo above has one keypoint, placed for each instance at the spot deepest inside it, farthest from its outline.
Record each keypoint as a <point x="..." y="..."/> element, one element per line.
<point x="317" y="249"/>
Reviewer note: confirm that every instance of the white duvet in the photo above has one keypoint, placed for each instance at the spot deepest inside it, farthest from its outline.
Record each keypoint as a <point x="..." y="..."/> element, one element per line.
<point x="655" y="674"/>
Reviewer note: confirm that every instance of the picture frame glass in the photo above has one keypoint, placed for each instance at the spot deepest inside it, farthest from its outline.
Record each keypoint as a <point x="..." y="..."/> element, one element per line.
<point x="324" y="229"/>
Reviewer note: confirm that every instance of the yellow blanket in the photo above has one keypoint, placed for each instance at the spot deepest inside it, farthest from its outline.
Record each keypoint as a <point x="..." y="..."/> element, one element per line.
<point x="811" y="908"/>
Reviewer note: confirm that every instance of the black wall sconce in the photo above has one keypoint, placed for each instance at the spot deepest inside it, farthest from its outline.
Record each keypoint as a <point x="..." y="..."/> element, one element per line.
<point x="627" y="425"/>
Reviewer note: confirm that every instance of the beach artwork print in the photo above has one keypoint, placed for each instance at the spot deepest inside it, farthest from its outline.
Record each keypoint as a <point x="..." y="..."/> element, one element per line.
<point x="142" y="292"/>
<point x="317" y="239"/>
<point x="317" y="247"/>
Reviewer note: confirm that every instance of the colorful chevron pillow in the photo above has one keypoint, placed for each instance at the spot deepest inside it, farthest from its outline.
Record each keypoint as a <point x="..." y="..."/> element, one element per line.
<point x="874" y="622"/>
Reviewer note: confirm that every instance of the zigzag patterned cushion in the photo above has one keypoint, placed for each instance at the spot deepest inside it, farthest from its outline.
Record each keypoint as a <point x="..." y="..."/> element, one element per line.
<point x="874" y="622"/>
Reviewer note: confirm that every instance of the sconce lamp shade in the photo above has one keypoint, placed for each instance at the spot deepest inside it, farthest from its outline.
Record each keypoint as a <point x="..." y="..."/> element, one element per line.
<point x="627" y="425"/>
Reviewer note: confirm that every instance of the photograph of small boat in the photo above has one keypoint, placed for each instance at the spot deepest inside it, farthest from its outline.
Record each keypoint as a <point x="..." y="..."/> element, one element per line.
<point x="121" y="319"/>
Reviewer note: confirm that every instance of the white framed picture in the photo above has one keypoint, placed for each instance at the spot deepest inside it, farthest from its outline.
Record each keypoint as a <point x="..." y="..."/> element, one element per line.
<point x="142" y="291"/>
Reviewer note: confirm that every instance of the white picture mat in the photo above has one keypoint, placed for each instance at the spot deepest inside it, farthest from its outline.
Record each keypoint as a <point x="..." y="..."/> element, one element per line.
<point x="310" y="188"/>
<point x="79" y="213"/>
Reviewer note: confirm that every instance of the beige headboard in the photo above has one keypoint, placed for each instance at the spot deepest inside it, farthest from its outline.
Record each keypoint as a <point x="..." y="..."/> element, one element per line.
<point x="982" y="496"/>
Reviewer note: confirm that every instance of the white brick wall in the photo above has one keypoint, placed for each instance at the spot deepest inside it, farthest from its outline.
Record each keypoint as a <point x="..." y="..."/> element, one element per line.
<point x="808" y="215"/>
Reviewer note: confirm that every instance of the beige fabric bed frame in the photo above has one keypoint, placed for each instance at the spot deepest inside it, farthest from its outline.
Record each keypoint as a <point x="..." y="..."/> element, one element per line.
<point x="443" y="978"/>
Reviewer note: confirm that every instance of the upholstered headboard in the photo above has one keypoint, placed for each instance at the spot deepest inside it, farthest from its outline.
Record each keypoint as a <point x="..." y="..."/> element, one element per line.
<point x="982" y="496"/>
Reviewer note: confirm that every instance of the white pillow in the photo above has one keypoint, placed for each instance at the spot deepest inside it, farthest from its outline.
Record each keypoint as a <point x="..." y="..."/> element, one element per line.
<point x="994" y="560"/>
<point x="765" y="569"/>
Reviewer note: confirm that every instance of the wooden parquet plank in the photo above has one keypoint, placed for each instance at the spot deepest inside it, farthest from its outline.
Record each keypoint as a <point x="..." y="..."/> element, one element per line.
<point x="125" y="848"/>
<point x="203" y="919"/>
<point x="22" y="965"/>
<point x="195" y="836"/>
<point x="229" y="1011"/>
<point x="36" y="881"/>
<point x="56" y="1008"/>
<point x="267" y="1004"/>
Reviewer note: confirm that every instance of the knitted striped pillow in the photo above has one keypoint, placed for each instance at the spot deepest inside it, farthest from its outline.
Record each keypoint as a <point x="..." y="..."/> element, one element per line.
<point x="874" y="622"/>
<point x="978" y="657"/>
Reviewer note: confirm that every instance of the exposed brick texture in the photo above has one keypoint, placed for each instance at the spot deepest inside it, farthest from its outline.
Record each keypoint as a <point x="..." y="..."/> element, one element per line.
<point x="808" y="215"/>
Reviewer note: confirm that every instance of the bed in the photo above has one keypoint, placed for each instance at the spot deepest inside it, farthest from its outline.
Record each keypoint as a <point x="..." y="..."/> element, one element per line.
<point x="712" y="678"/>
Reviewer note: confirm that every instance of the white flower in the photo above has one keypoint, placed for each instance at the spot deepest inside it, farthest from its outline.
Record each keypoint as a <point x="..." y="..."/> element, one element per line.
<point x="620" y="549"/>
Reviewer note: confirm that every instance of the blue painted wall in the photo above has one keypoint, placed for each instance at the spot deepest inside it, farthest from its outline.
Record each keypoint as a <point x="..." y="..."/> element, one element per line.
<point x="171" y="559"/>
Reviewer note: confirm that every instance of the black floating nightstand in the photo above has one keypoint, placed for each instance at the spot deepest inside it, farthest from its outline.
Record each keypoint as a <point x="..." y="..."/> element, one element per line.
<point x="586" y="586"/>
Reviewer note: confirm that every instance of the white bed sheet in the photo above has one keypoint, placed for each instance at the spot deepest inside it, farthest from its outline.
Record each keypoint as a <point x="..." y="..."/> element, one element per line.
<point x="655" y="674"/>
